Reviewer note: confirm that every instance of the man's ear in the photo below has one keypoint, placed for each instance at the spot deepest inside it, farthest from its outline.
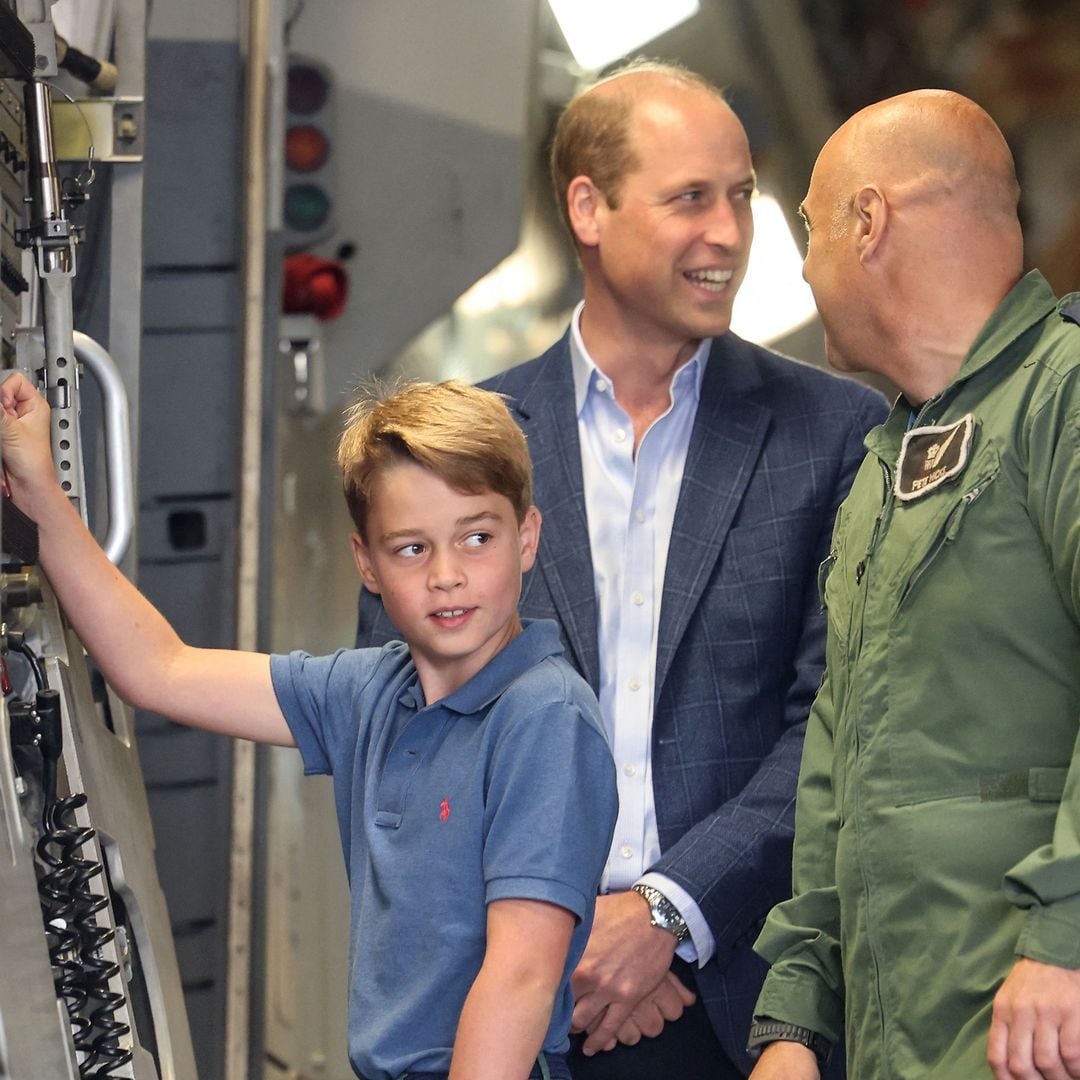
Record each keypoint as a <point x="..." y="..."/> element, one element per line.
<point x="529" y="534"/>
<point x="871" y="220"/>
<point x="362" y="558"/>
<point x="583" y="202"/>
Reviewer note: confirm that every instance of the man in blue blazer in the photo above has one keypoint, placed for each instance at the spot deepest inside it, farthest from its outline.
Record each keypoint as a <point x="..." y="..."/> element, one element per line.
<point x="688" y="482"/>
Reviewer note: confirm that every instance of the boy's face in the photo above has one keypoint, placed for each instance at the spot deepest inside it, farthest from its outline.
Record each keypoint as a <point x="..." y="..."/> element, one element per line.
<point x="448" y="567"/>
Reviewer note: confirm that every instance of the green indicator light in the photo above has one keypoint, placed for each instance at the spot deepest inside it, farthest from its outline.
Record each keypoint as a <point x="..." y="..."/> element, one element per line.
<point x="306" y="207"/>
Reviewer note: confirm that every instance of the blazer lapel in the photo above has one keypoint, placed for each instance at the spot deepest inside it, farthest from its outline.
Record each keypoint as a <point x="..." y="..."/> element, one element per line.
<point x="548" y="418"/>
<point x="725" y="443"/>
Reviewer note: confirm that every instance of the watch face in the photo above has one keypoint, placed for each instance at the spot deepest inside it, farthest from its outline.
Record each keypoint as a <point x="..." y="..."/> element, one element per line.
<point x="662" y="912"/>
<point x="668" y="917"/>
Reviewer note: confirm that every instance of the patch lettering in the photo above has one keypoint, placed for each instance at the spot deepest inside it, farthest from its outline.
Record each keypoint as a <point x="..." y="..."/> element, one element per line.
<point x="931" y="455"/>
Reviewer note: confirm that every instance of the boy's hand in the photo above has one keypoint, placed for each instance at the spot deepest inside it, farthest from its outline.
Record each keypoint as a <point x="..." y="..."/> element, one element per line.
<point x="25" y="447"/>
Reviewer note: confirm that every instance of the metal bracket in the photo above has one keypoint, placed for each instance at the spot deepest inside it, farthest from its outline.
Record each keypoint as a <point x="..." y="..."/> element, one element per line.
<point x="113" y="125"/>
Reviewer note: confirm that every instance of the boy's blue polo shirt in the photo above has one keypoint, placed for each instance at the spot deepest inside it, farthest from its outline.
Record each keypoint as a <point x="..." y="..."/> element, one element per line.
<point x="503" y="789"/>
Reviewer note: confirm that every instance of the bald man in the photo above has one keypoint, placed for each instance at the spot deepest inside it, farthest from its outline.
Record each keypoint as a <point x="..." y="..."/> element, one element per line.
<point x="936" y="908"/>
<point x="688" y="482"/>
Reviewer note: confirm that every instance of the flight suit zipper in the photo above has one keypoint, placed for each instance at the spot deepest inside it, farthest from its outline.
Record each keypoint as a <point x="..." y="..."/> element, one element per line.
<point x="861" y="570"/>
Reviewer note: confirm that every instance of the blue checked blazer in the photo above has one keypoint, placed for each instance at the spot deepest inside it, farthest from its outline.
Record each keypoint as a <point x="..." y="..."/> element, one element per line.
<point x="774" y="449"/>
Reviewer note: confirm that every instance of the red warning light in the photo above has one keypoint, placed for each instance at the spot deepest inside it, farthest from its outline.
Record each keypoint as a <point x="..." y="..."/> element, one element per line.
<point x="314" y="286"/>
<point x="306" y="148"/>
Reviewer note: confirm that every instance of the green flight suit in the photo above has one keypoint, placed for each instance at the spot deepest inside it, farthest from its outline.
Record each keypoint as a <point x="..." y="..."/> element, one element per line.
<point x="938" y="819"/>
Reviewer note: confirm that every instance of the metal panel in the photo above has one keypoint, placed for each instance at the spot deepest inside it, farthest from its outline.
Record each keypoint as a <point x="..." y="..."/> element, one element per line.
<point x="190" y="300"/>
<point x="193" y="154"/>
<point x="189" y="401"/>
<point x="189" y="476"/>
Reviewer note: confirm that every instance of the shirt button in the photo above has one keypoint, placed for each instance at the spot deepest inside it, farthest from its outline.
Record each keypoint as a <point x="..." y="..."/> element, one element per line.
<point x="634" y="683"/>
<point x="626" y="851"/>
<point x="601" y="385"/>
<point x="630" y="770"/>
<point x="640" y="515"/>
<point x="620" y="435"/>
<point x="638" y="599"/>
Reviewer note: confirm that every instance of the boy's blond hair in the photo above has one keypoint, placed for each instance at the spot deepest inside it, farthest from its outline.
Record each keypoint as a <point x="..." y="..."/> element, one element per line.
<point x="464" y="435"/>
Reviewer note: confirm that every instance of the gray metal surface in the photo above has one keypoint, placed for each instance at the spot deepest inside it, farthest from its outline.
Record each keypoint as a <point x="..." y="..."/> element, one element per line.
<point x="103" y="762"/>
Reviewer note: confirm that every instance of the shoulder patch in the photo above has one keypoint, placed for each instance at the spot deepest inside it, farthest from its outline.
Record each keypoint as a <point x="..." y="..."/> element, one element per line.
<point x="931" y="455"/>
<point x="1071" y="312"/>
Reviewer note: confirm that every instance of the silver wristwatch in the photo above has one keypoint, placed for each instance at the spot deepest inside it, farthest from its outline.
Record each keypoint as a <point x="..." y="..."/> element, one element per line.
<point x="662" y="912"/>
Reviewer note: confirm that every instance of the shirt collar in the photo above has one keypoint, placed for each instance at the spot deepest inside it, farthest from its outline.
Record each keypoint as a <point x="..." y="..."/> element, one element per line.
<point x="538" y="640"/>
<point x="587" y="375"/>
<point x="1029" y="301"/>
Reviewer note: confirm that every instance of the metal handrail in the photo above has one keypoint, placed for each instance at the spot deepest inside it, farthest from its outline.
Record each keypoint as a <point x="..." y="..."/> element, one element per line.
<point x="118" y="472"/>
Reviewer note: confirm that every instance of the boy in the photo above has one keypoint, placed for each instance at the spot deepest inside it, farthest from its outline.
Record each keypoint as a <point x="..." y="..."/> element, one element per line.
<point x="474" y="786"/>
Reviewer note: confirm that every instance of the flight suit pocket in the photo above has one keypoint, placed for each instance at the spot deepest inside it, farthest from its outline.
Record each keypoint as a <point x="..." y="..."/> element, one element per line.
<point x="948" y="533"/>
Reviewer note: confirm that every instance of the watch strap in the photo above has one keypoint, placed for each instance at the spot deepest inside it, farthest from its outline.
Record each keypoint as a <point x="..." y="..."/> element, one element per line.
<point x="765" y="1031"/>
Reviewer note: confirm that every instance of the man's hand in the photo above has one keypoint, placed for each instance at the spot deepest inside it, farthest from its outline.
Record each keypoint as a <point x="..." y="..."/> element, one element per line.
<point x="664" y="1003"/>
<point x="625" y="961"/>
<point x="786" y="1061"/>
<point x="1035" y="1030"/>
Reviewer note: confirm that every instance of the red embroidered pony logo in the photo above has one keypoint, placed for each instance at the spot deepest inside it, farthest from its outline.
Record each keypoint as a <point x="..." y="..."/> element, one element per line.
<point x="444" y="809"/>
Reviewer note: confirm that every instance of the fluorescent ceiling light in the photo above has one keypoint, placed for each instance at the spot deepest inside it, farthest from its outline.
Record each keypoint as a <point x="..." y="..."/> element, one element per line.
<point x="773" y="300"/>
<point x="600" y="31"/>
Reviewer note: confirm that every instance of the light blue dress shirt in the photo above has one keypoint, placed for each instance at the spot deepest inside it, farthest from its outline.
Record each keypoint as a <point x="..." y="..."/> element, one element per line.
<point x="630" y="501"/>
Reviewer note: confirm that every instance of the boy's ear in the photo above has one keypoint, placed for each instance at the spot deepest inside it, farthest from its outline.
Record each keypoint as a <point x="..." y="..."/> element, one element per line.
<point x="529" y="533"/>
<point x="362" y="558"/>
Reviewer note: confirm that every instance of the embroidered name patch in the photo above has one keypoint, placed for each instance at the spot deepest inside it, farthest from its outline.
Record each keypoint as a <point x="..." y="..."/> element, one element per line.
<point x="931" y="455"/>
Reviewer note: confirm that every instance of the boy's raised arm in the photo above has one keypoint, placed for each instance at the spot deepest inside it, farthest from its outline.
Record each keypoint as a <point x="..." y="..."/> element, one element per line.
<point x="508" y="1009"/>
<point x="132" y="643"/>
